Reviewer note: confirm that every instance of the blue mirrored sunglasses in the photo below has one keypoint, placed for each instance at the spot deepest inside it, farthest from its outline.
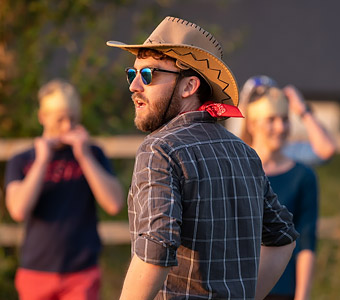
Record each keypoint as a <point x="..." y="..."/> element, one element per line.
<point x="263" y="80"/>
<point x="146" y="74"/>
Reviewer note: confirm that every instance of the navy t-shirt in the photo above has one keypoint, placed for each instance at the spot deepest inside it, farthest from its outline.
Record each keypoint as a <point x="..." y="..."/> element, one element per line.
<point x="61" y="234"/>
<point x="297" y="189"/>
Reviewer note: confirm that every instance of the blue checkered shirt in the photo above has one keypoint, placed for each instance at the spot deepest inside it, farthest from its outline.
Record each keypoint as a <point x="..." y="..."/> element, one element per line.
<point x="200" y="202"/>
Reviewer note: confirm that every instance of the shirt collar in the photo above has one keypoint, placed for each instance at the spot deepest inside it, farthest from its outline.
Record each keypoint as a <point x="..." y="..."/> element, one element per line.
<point x="186" y="119"/>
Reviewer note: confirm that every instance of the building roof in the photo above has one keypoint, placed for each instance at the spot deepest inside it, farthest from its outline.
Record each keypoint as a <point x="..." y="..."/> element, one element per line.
<point x="295" y="42"/>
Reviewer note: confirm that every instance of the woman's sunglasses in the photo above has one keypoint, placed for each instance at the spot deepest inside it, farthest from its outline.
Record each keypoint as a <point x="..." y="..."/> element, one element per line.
<point x="146" y="74"/>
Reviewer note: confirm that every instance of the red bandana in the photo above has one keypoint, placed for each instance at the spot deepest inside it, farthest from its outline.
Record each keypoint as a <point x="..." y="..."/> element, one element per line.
<point x="221" y="110"/>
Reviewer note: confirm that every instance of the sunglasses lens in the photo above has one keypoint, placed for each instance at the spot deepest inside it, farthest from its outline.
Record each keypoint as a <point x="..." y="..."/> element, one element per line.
<point x="264" y="80"/>
<point x="131" y="75"/>
<point x="146" y="75"/>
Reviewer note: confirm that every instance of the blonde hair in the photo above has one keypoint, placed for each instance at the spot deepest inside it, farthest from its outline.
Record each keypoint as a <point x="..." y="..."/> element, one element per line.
<point x="268" y="102"/>
<point x="57" y="94"/>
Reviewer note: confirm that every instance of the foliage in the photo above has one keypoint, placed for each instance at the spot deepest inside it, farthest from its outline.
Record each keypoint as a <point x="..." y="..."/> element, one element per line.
<point x="42" y="39"/>
<point x="8" y="265"/>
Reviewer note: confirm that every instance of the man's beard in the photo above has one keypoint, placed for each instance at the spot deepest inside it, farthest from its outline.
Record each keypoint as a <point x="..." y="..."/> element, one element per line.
<point x="159" y="112"/>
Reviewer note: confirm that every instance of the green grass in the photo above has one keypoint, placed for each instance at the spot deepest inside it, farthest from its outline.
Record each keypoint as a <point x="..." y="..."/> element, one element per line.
<point x="329" y="185"/>
<point x="326" y="279"/>
<point x="114" y="263"/>
<point x="8" y="263"/>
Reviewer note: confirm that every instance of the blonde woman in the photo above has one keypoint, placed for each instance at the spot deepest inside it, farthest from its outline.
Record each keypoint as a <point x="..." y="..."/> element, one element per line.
<point x="320" y="146"/>
<point x="266" y="130"/>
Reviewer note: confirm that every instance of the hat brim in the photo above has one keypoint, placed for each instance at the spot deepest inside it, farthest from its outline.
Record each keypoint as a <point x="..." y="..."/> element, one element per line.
<point x="214" y="70"/>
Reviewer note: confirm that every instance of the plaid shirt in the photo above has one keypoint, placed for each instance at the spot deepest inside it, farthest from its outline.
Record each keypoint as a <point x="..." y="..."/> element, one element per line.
<point x="200" y="202"/>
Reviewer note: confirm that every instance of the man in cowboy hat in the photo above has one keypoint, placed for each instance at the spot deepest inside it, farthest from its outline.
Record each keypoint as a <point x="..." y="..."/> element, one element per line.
<point x="200" y="205"/>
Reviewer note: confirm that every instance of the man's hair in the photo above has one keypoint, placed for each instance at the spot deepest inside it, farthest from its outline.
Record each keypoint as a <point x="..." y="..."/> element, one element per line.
<point x="204" y="90"/>
<point x="145" y="53"/>
<point x="58" y="85"/>
<point x="59" y="93"/>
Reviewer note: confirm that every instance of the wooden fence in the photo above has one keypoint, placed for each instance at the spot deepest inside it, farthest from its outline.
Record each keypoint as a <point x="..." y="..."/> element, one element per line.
<point x="115" y="232"/>
<point x="114" y="147"/>
<point x="111" y="233"/>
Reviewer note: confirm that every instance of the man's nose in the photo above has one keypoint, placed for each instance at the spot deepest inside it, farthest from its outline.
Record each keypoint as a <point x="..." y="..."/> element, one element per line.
<point x="67" y="124"/>
<point x="137" y="84"/>
<point x="280" y="124"/>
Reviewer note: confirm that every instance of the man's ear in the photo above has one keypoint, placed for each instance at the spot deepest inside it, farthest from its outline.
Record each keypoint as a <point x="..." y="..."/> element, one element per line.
<point x="190" y="86"/>
<point x="41" y="117"/>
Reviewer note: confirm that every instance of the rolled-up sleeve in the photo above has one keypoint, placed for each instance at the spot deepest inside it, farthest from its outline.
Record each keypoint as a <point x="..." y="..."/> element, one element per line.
<point x="278" y="227"/>
<point x="155" y="210"/>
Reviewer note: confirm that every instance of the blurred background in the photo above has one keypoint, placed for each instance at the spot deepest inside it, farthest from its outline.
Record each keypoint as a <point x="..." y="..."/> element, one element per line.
<point x="295" y="42"/>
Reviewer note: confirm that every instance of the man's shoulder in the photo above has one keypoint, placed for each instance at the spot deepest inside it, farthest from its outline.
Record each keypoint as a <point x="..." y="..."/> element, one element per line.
<point x="16" y="165"/>
<point x="96" y="148"/>
<point x="194" y="134"/>
<point x="23" y="155"/>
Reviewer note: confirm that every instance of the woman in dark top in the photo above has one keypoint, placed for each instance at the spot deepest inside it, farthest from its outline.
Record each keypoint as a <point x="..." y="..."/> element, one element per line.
<point x="266" y="130"/>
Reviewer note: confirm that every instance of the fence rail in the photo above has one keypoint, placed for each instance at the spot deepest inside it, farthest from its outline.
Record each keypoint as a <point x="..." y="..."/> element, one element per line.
<point x="111" y="233"/>
<point x="120" y="146"/>
<point x="117" y="232"/>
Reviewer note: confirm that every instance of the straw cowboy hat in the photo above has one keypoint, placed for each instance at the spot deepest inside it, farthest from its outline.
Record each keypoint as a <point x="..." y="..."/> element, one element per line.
<point x="195" y="48"/>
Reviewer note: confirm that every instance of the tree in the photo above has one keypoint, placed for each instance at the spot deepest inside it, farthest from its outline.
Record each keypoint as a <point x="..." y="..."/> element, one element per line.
<point x="42" y="39"/>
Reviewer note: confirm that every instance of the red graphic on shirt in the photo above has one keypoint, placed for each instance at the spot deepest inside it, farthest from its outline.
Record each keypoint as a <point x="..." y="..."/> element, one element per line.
<point x="60" y="170"/>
